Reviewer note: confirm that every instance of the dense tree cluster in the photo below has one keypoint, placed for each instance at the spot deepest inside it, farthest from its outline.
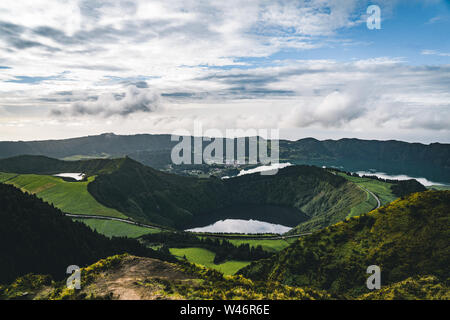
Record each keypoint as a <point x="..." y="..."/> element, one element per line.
<point x="223" y="249"/>
<point x="407" y="238"/>
<point x="405" y="187"/>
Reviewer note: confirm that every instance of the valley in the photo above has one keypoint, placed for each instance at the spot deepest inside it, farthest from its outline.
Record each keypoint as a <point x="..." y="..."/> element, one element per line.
<point x="123" y="198"/>
<point x="248" y="152"/>
<point x="328" y="264"/>
<point x="123" y="188"/>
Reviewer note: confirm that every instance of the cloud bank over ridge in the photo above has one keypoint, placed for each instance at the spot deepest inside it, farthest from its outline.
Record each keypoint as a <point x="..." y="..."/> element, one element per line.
<point x="80" y="67"/>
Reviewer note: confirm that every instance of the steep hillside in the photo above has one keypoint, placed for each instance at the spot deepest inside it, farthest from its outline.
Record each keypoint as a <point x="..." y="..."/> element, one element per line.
<point x="406" y="238"/>
<point x="322" y="197"/>
<point x="69" y="196"/>
<point x="413" y="288"/>
<point x="386" y="189"/>
<point x="127" y="277"/>
<point x="36" y="237"/>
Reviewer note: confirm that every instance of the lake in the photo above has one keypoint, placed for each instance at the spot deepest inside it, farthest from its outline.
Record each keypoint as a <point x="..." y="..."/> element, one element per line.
<point x="242" y="226"/>
<point x="76" y="176"/>
<point x="265" y="169"/>
<point x="271" y="167"/>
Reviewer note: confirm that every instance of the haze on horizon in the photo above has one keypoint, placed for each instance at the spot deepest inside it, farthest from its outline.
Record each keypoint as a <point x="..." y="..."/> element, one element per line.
<point x="311" y="68"/>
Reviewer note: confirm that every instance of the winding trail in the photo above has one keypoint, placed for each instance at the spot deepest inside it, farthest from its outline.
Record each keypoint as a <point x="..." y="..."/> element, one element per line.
<point x="373" y="195"/>
<point x="86" y="216"/>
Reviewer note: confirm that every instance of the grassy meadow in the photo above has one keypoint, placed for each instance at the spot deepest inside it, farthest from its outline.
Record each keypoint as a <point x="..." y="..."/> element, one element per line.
<point x="268" y="245"/>
<point x="438" y="187"/>
<point x="206" y="258"/>
<point x="70" y="197"/>
<point x="111" y="228"/>
<point x="364" y="206"/>
<point x="381" y="189"/>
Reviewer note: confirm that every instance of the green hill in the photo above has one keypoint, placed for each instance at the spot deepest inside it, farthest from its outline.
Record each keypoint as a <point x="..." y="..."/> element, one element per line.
<point x="406" y="238"/>
<point x="295" y="195"/>
<point x="382" y="190"/>
<point x="305" y="196"/>
<point x="73" y="197"/>
<point x="36" y="237"/>
<point x="69" y="196"/>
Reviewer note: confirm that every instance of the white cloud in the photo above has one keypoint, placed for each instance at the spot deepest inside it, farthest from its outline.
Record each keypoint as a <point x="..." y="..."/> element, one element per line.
<point x="134" y="100"/>
<point x="110" y="46"/>
<point x="435" y="53"/>
<point x="335" y="110"/>
<point x="317" y="17"/>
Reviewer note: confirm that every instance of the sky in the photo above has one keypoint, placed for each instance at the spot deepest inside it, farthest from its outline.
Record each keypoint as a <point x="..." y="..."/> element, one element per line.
<point x="311" y="68"/>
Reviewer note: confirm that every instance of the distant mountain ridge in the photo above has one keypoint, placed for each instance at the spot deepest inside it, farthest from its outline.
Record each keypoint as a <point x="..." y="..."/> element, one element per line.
<point x="27" y="164"/>
<point x="90" y="145"/>
<point x="393" y="157"/>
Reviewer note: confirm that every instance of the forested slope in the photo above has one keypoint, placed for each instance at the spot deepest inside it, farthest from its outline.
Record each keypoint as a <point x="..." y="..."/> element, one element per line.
<point x="36" y="237"/>
<point x="406" y="238"/>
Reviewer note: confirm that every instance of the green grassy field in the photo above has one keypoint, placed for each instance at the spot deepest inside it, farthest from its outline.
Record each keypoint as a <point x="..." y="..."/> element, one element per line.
<point x="381" y="189"/>
<point x="438" y="187"/>
<point x="86" y="157"/>
<point x="6" y="176"/>
<point x="268" y="245"/>
<point x="206" y="258"/>
<point x="116" y="228"/>
<point x="364" y="206"/>
<point x="70" y="197"/>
